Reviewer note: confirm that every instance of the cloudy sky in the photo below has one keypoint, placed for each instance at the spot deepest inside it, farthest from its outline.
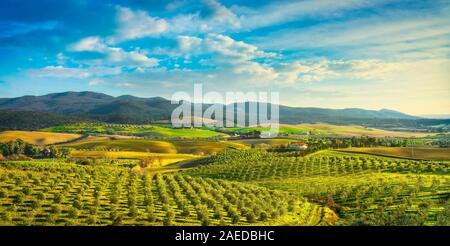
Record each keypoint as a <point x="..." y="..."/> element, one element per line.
<point x="339" y="54"/>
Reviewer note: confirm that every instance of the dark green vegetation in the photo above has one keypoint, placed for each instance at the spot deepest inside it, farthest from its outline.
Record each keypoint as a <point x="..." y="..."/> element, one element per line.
<point x="361" y="189"/>
<point x="19" y="149"/>
<point x="56" y="193"/>
<point x="26" y="120"/>
<point x="135" y="110"/>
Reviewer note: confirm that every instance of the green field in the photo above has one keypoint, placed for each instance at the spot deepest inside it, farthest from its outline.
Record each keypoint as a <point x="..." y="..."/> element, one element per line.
<point x="57" y="193"/>
<point x="329" y="129"/>
<point x="113" y="178"/>
<point x="155" y="131"/>
<point x="362" y="189"/>
<point x="283" y="129"/>
<point x="269" y="142"/>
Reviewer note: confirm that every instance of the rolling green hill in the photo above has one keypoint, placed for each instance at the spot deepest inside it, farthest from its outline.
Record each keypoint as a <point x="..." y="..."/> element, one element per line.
<point x="154" y="131"/>
<point x="362" y="189"/>
<point x="135" y="110"/>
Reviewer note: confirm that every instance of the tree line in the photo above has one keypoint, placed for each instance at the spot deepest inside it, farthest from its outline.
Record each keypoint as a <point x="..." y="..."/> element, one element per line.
<point x="20" y="147"/>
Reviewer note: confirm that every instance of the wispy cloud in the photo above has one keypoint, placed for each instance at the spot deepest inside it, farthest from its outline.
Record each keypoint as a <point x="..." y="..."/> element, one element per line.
<point x="114" y="55"/>
<point x="277" y="13"/>
<point x="137" y="24"/>
<point x="376" y="33"/>
<point x="68" y="72"/>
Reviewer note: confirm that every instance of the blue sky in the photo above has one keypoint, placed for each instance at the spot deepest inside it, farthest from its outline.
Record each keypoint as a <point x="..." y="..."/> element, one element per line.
<point x="338" y="54"/>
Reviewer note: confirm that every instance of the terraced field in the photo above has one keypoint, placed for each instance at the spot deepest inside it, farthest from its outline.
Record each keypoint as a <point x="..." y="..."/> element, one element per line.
<point x="56" y="193"/>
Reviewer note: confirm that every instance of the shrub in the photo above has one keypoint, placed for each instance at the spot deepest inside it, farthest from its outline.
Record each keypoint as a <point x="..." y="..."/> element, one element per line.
<point x="40" y="196"/>
<point x="58" y="198"/>
<point x="133" y="211"/>
<point x="73" y="213"/>
<point x="35" y="204"/>
<point x="19" y="198"/>
<point x="56" y="209"/>
<point x="3" y="193"/>
<point x="92" y="219"/>
<point x="26" y="190"/>
<point x="113" y="214"/>
<point x="168" y="218"/>
<point x="251" y="218"/>
<point x="151" y="216"/>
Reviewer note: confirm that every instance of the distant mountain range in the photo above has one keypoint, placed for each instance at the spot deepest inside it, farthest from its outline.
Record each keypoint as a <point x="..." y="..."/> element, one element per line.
<point x="92" y="103"/>
<point x="436" y="116"/>
<point x="131" y="109"/>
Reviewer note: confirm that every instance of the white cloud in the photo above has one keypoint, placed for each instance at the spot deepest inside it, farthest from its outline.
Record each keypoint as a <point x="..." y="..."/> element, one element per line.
<point x="226" y="49"/>
<point x="189" y="44"/>
<point x="137" y="24"/>
<point x="228" y="54"/>
<point x="278" y="13"/>
<point x="95" y="82"/>
<point x="89" y="44"/>
<point x="375" y="36"/>
<point x="61" y="72"/>
<point x="222" y="15"/>
<point x="79" y="73"/>
<point x="114" y="55"/>
<point x="125" y="84"/>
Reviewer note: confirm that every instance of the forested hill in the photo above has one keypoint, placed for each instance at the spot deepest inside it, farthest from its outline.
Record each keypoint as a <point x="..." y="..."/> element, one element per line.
<point x="71" y="107"/>
<point x="23" y="120"/>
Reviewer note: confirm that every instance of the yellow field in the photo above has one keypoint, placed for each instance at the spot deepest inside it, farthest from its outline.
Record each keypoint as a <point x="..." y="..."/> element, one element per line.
<point x="354" y="130"/>
<point x="195" y="147"/>
<point x="37" y="138"/>
<point x="421" y="153"/>
<point x="265" y="142"/>
<point x="161" y="159"/>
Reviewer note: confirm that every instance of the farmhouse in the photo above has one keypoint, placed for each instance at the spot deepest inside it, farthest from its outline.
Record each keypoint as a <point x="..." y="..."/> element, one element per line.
<point x="297" y="146"/>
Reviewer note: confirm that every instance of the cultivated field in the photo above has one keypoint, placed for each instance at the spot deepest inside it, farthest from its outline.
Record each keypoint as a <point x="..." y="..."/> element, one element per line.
<point x="362" y="189"/>
<point x="57" y="193"/>
<point x="265" y="142"/>
<point x="131" y="180"/>
<point x="38" y="138"/>
<point x="354" y="130"/>
<point x="420" y="153"/>
<point x="161" y="159"/>
<point x="197" y="147"/>
<point x="156" y="131"/>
